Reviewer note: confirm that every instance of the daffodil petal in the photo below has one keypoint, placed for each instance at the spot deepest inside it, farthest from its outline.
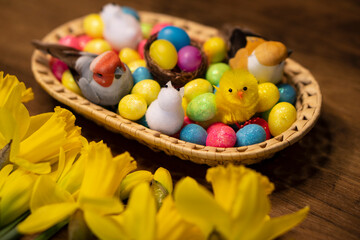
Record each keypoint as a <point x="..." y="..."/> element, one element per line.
<point x="37" y="121"/>
<point x="4" y="173"/>
<point x="47" y="192"/>
<point x="8" y="83"/>
<point x="15" y="195"/>
<point x="101" y="165"/>
<point x="170" y="224"/>
<point x="197" y="205"/>
<point x="250" y="206"/>
<point x="277" y="226"/>
<point x="46" y="217"/>
<point x="72" y="178"/>
<point x="104" y="205"/>
<point x="139" y="216"/>
<point x="39" y="168"/>
<point x="133" y="179"/>
<point x="104" y="227"/>
<point x="163" y="176"/>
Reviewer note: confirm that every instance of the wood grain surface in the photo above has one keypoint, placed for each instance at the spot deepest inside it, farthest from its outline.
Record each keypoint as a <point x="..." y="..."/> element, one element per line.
<point x="322" y="170"/>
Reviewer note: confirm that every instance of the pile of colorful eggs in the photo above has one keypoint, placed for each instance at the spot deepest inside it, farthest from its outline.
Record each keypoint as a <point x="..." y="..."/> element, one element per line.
<point x="172" y="48"/>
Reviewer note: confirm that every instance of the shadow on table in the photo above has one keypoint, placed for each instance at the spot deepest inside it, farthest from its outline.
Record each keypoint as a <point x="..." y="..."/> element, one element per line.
<point x="300" y="161"/>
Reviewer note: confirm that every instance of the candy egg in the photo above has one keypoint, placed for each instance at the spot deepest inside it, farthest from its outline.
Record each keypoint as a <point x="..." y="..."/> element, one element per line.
<point x="196" y="87"/>
<point x="268" y="96"/>
<point x="250" y="134"/>
<point x="68" y="81"/>
<point x="193" y="133"/>
<point x="130" y="11"/>
<point x="281" y="117"/>
<point x="58" y="67"/>
<point x="215" y="49"/>
<point x="221" y="136"/>
<point x="97" y="46"/>
<point x="93" y="25"/>
<point x="140" y="74"/>
<point x="70" y="41"/>
<point x="148" y="89"/>
<point x="287" y="93"/>
<point x="177" y="36"/>
<point x="143" y="121"/>
<point x="157" y="27"/>
<point x="202" y="107"/>
<point x="83" y="40"/>
<point x="163" y="53"/>
<point x="128" y="55"/>
<point x="146" y="29"/>
<point x="214" y="126"/>
<point x="184" y="104"/>
<point x="132" y="107"/>
<point x="259" y="121"/>
<point x="140" y="47"/>
<point x="189" y="58"/>
<point x="215" y="72"/>
<point x="136" y="64"/>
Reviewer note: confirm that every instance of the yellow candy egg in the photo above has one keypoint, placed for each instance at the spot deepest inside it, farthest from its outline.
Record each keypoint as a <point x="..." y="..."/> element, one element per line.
<point x="93" y="25"/>
<point x="133" y="65"/>
<point x="215" y="49"/>
<point x="132" y="107"/>
<point x="164" y="54"/>
<point x="196" y="87"/>
<point x="269" y="95"/>
<point x="97" y="46"/>
<point x="281" y="117"/>
<point x="127" y="55"/>
<point x="148" y="89"/>
<point x="184" y="104"/>
<point x="68" y="81"/>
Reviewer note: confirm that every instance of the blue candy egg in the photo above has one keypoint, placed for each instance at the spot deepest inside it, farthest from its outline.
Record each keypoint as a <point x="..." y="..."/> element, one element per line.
<point x="194" y="133"/>
<point x="287" y="93"/>
<point x="131" y="11"/>
<point x="143" y="121"/>
<point x="141" y="73"/>
<point x="250" y="134"/>
<point x="177" y="36"/>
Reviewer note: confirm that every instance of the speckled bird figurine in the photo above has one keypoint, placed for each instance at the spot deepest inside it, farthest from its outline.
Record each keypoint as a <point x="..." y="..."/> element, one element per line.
<point x="166" y="114"/>
<point x="103" y="79"/>
<point x="236" y="97"/>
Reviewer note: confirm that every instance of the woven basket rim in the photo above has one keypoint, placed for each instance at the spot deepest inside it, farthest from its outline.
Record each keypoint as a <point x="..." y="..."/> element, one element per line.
<point x="308" y="105"/>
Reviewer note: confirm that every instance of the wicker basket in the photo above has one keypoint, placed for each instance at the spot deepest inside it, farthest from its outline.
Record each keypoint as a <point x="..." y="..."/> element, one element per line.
<point x="308" y="104"/>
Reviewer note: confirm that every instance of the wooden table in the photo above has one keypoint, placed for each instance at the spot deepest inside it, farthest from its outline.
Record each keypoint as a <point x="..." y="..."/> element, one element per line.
<point x="322" y="170"/>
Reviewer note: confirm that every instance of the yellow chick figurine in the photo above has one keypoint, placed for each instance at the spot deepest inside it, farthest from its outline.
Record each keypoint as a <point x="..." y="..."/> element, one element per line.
<point x="237" y="96"/>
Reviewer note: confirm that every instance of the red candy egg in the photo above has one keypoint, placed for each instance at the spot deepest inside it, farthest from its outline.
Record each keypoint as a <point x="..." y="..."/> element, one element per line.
<point x="140" y="48"/>
<point x="58" y="67"/>
<point x="221" y="135"/>
<point x="83" y="40"/>
<point x="70" y="41"/>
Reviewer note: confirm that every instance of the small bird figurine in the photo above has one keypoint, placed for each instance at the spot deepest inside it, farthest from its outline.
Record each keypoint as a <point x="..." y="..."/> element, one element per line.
<point x="236" y="97"/>
<point x="121" y="30"/>
<point x="165" y="114"/>
<point x="264" y="59"/>
<point x="103" y="79"/>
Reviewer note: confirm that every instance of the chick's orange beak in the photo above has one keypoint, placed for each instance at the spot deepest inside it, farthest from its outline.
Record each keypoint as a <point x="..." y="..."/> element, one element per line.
<point x="240" y="94"/>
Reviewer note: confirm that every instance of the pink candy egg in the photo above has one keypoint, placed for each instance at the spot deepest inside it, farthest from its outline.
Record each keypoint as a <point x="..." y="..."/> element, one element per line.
<point x="215" y="126"/>
<point x="83" y="40"/>
<point x="58" y="67"/>
<point x="140" y="48"/>
<point x="157" y="27"/>
<point x="221" y="136"/>
<point x="70" y="41"/>
<point x="189" y="58"/>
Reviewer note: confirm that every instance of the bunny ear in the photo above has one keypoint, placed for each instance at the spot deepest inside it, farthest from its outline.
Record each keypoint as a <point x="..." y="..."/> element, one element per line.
<point x="182" y="91"/>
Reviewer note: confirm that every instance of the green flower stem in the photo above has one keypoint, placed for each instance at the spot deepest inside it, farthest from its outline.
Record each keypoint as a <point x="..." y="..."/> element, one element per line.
<point x="52" y="231"/>
<point x="10" y="231"/>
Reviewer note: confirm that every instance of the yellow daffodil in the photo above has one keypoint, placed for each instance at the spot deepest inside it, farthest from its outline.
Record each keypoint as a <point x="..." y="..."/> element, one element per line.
<point x="15" y="191"/>
<point x="8" y="83"/>
<point x="239" y="207"/>
<point x="51" y="203"/>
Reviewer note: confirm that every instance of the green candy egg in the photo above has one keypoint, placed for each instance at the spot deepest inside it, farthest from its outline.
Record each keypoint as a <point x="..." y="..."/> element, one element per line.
<point x="215" y="72"/>
<point x="202" y="107"/>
